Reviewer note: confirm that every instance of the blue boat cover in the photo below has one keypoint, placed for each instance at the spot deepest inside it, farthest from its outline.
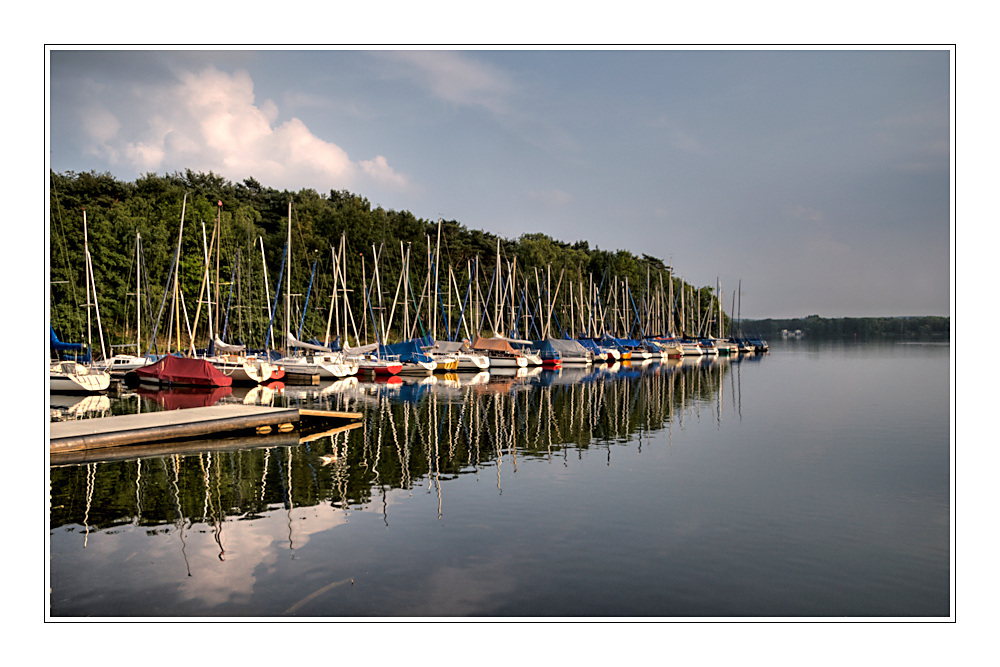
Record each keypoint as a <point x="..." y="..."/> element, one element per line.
<point x="611" y="341"/>
<point x="61" y="347"/>
<point x="407" y="351"/>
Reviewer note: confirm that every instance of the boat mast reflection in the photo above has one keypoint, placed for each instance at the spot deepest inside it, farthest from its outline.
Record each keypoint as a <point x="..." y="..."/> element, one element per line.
<point x="428" y="430"/>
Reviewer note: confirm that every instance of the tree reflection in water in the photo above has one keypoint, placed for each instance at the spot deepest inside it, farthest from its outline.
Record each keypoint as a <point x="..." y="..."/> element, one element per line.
<point x="416" y="432"/>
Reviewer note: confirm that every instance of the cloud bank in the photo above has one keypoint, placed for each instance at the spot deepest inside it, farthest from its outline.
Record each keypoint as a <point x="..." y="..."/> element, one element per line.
<point x="209" y="120"/>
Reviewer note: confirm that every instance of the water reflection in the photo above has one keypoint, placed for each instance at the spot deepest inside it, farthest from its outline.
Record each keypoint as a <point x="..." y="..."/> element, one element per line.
<point x="417" y="432"/>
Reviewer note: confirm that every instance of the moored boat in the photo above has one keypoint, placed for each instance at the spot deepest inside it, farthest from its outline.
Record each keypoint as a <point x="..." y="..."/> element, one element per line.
<point x="316" y="360"/>
<point x="707" y="346"/>
<point x="571" y="352"/>
<point x="183" y="372"/>
<point x="369" y="360"/>
<point x="327" y="365"/>
<point x="412" y="359"/>
<point x="690" y="348"/>
<point x="243" y="369"/>
<point x="120" y="364"/>
<point x="69" y="377"/>
<point x="670" y="347"/>
<point x="500" y="352"/>
<point x="468" y="359"/>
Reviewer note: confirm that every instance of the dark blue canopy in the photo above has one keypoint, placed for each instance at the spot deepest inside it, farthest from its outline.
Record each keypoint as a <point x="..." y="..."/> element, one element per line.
<point x="61" y="347"/>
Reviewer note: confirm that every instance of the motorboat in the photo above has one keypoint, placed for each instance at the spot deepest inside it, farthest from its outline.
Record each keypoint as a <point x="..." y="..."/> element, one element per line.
<point x="120" y="364"/>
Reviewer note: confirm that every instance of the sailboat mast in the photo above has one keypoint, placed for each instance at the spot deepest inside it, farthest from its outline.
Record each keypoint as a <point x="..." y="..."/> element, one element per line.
<point x="288" y="283"/>
<point x="177" y="313"/>
<point x="86" y="273"/>
<point x="333" y="300"/>
<point x="138" y="306"/>
<point x="267" y="290"/>
<point x="217" y="235"/>
<point x="437" y="267"/>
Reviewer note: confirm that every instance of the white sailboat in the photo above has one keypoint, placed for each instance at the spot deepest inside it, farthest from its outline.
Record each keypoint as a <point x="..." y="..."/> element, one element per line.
<point x="317" y="360"/>
<point x="68" y="377"/>
<point x="234" y="362"/>
<point x="468" y="359"/>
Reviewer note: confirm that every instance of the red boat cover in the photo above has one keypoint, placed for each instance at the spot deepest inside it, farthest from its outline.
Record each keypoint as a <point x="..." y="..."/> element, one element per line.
<point x="185" y="371"/>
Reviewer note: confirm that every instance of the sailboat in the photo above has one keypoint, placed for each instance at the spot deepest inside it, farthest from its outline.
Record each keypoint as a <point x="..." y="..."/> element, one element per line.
<point x="308" y="358"/>
<point x="500" y="352"/>
<point x="369" y="360"/>
<point x="316" y="360"/>
<point x="120" y="364"/>
<point x="69" y="377"/>
<point x="412" y="358"/>
<point x="468" y="359"/>
<point x="234" y="362"/>
<point x="183" y="372"/>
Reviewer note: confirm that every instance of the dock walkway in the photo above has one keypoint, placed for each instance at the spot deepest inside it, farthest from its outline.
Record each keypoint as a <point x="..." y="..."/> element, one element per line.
<point x="172" y="425"/>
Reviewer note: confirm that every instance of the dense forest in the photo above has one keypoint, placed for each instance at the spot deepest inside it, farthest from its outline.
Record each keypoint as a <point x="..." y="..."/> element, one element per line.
<point x="357" y="273"/>
<point x="815" y="326"/>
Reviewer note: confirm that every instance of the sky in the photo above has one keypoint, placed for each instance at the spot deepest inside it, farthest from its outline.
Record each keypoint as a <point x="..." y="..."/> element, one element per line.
<point x="819" y="180"/>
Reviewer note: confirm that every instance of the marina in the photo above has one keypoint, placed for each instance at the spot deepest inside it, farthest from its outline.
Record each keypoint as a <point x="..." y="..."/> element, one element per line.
<point x="568" y="337"/>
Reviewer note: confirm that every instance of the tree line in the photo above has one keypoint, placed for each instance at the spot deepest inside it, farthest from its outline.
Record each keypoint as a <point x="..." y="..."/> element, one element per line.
<point x="815" y="326"/>
<point x="238" y="232"/>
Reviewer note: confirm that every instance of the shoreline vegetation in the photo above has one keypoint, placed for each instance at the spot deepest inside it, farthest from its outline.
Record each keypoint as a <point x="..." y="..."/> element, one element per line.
<point x="348" y="261"/>
<point x="930" y="327"/>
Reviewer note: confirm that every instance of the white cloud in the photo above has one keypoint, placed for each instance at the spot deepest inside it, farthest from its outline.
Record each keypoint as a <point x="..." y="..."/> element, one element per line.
<point x="380" y="170"/>
<point x="210" y="120"/>
<point x="100" y="127"/>
<point x="458" y="79"/>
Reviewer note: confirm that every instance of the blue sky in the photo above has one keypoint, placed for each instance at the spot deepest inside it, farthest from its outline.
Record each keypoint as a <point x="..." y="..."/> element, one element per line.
<point x="820" y="178"/>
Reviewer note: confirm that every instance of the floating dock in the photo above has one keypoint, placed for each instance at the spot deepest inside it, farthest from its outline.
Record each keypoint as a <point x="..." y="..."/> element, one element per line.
<point x="171" y="427"/>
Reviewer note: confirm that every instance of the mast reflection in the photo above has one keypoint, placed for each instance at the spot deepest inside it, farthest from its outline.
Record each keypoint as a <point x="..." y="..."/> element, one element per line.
<point x="416" y="431"/>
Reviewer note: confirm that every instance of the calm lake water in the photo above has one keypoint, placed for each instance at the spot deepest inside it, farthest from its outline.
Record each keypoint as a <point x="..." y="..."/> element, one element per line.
<point x="814" y="481"/>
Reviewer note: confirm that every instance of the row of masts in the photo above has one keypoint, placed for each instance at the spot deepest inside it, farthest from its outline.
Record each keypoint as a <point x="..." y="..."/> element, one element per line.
<point x="450" y="303"/>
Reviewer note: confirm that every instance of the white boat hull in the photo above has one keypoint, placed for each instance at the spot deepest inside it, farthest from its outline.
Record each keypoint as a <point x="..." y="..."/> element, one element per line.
<point x="473" y="362"/>
<point x="418" y="367"/>
<point x="329" y="367"/>
<point x="508" y="362"/>
<point x="122" y="364"/>
<point x="70" y="377"/>
<point x="243" y="370"/>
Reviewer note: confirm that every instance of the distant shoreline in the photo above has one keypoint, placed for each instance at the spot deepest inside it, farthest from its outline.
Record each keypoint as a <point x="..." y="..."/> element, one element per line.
<point x="814" y="326"/>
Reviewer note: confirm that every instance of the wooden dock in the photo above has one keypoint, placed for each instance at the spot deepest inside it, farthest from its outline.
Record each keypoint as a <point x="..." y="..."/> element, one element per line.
<point x="172" y="426"/>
